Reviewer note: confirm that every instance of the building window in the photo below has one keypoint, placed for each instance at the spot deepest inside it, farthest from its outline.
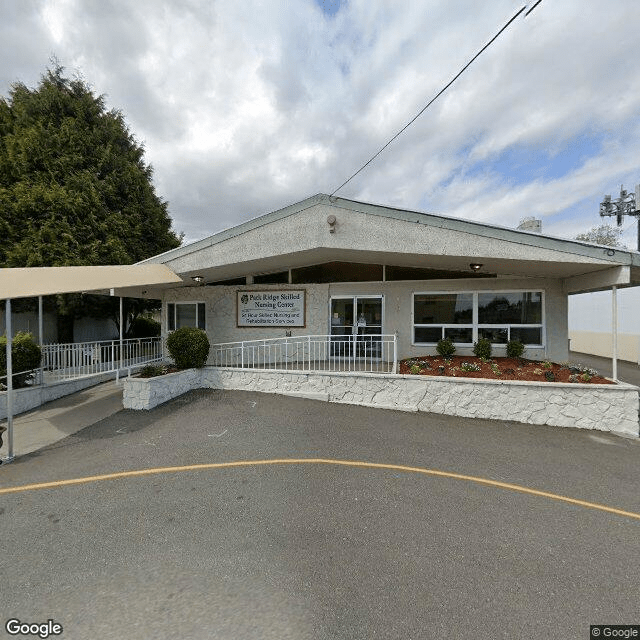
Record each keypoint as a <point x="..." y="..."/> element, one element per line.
<point x="186" y="314"/>
<point x="464" y="317"/>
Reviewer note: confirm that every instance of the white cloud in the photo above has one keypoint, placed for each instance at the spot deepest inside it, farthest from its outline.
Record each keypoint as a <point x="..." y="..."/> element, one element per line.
<point x="245" y="107"/>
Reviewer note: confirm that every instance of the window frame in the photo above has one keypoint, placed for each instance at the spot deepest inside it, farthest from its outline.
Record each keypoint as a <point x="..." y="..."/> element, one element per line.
<point x="172" y="322"/>
<point x="475" y="325"/>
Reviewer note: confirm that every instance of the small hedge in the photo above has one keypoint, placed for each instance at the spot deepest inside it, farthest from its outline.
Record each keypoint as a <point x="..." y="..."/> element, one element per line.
<point x="482" y="348"/>
<point x="189" y="347"/>
<point x="445" y="347"/>
<point x="515" y="349"/>
<point x="25" y="356"/>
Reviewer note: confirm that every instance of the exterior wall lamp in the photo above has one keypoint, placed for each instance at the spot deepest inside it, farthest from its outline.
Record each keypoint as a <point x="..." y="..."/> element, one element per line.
<point x="331" y="221"/>
<point x="198" y="279"/>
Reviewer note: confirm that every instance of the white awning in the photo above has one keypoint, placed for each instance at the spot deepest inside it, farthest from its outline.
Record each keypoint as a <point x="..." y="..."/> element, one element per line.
<point x="44" y="281"/>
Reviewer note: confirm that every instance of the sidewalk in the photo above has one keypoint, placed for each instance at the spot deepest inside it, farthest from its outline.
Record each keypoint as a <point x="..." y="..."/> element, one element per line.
<point x="58" y="419"/>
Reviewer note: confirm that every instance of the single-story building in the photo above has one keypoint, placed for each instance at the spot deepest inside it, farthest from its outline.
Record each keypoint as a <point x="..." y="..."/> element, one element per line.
<point x="322" y="298"/>
<point x="329" y="266"/>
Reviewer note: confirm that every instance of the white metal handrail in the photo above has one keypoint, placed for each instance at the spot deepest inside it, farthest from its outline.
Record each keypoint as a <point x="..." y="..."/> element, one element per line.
<point x="74" y="360"/>
<point x="375" y="353"/>
<point x="34" y="377"/>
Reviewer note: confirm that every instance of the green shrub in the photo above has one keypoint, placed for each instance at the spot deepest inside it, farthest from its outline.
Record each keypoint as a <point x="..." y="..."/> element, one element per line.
<point x="189" y="347"/>
<point x="445" y="347"/>
<point x="415" y="369"/>
<point x="515" y="349"/>
<point x="152" y="371"/>
<point x="144" y="327"/>
<point x="482" y="348"/>
<point x="25" y="356"/>
<point x="470" y="366"/>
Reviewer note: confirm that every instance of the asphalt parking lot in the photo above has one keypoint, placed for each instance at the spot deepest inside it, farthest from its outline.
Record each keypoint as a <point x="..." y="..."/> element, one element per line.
<point x="308" y="538"/>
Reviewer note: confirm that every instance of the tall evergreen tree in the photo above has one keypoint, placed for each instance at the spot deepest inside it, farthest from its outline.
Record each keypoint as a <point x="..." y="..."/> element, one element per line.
<point x="74" y="187"/>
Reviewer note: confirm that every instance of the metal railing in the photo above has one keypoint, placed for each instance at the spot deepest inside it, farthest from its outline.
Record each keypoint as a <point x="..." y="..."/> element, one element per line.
<point x="33" y="378"/>
<point x="75" y="360"/>
<point x="375" y="353"/>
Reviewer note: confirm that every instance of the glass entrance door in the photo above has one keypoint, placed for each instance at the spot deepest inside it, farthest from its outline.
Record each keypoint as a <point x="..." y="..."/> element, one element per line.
<point x="356" y="324"/>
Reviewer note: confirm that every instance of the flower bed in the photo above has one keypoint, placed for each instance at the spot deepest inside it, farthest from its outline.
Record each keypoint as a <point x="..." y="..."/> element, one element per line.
<point x="501" y="369"/>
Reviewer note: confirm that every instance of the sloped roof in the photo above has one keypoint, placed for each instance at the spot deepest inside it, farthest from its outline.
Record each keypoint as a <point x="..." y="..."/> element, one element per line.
<point x="298" y="235"/>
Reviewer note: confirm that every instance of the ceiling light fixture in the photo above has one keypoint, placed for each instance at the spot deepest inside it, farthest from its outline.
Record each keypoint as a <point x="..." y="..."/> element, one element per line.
<point x="475" y="266"/>
<point x="197" y="279"/>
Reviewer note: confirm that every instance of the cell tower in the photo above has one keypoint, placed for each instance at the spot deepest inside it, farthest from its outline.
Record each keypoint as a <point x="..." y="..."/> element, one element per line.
<point x="625" y="205"/>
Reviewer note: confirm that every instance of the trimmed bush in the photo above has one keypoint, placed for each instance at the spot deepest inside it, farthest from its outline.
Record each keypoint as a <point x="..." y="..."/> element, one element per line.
<point x="445" y="347"/>
<point x="152" y="371"/>
<point x="515" y="349"/>
<point x="189" y="347"/>
<point x="482" y="348"/>
<point x="144" y="327"/>
<point x="25" y="356"/>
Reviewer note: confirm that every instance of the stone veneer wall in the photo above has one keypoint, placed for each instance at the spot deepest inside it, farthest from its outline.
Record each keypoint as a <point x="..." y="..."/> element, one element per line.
<point x="585" y="406"/>
<point x="146" y="393"/>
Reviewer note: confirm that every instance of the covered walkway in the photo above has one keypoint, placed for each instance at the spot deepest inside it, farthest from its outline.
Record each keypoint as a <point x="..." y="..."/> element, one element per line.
<point x="627" y="371"/>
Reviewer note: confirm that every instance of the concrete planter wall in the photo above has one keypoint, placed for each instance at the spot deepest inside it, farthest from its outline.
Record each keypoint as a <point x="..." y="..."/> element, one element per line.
<point x="146" y="393"/>
<point x="586" y="406"/>
<point x="32" y="397"/>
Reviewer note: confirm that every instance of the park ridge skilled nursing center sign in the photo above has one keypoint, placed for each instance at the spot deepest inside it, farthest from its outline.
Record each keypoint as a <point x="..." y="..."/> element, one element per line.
<point x="271" y="308"/>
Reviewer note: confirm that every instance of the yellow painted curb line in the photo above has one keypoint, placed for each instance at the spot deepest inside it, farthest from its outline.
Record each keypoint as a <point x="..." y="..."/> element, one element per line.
<point x="345" y="463"/>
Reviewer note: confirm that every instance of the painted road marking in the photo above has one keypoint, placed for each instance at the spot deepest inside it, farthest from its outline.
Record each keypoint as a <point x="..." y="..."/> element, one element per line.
<point x="346" y="463"/>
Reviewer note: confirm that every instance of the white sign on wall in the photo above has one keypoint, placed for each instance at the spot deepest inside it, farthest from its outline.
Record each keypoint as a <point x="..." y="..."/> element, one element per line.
<point x="271" y="308"/>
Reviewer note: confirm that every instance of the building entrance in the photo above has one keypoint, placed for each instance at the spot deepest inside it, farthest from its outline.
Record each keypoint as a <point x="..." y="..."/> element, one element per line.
<point x="356" y="326"/>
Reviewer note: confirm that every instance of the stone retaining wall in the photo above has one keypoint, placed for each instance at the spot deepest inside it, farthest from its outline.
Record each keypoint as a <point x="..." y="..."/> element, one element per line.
<point x="146" y="393"/>
<point x="585" y="406"/>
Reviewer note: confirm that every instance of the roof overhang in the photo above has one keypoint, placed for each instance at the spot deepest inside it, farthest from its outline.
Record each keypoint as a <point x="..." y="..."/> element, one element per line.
<point x="577" y="277"/>
<point x="301" y="235"/>
<point x="44" y="281"/>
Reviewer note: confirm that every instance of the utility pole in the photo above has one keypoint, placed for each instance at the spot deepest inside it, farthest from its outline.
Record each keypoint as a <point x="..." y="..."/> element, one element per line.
<point x="625" y="205"/>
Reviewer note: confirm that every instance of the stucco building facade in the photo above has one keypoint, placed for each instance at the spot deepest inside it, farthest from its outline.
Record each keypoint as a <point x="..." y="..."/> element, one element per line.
<point x="357" y="268"/>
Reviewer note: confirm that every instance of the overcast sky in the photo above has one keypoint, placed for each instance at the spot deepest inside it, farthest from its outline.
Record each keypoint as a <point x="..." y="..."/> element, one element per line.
<point x="246" y="107"/>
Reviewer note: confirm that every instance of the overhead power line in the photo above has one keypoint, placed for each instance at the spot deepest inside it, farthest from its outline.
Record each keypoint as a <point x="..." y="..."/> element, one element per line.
<point x="466" y="66"/>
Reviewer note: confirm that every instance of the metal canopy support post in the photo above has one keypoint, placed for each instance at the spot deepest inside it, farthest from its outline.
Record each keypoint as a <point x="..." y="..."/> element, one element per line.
<point x="614" y="331"/>
<point x="121" y="336"/>
<point x="40" y="336"/>
<point x="40" y="329"/>
<point x="9" y="383"/>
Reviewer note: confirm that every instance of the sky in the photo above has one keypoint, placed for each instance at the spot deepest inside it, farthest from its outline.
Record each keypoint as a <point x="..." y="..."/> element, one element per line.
<point x="247" y="107"/>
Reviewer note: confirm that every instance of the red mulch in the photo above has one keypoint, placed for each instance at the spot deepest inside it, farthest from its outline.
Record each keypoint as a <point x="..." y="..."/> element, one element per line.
<point x="508" y="368"/>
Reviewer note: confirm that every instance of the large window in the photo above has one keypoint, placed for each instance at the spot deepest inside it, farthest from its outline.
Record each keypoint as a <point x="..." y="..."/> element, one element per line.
<point x="464" y="317"/>
<point x="444" y="315"/>
<point x="186" y="314"/>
